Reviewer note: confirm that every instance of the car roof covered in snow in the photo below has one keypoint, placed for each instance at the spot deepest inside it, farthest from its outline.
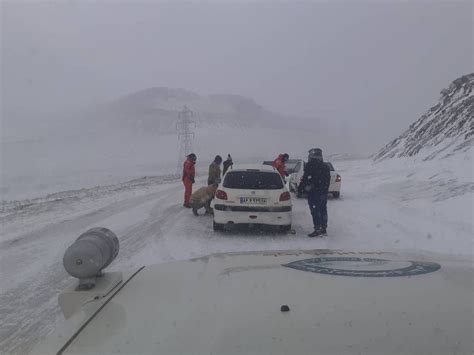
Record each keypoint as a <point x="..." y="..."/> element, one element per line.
<point x="245" y="167"/>
<point x="280" y="302"/>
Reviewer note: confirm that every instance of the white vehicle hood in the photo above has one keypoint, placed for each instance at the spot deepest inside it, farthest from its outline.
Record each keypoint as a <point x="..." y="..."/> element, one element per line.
<point x="340" y="303"/>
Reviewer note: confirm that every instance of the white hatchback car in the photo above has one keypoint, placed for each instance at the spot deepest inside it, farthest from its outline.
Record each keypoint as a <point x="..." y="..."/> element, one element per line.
<point x="253" y="194"/>
<point x="295" y="169"/>
<point x="297" y="176"/>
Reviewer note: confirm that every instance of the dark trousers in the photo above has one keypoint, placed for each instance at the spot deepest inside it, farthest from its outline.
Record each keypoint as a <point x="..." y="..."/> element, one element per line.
<point x="318" y="206"/>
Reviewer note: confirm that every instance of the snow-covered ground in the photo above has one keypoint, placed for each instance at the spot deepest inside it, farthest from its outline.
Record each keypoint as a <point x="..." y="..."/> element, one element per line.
<point x="392" y="205"/>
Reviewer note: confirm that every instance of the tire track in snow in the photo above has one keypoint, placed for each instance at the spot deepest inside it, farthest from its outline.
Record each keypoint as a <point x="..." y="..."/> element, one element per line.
<point x="151" y="232"/>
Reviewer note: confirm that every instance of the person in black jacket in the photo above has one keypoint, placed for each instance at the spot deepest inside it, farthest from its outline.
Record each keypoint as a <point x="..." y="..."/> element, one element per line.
<point x="316" y="180"/>
<point x="227" y="164"/>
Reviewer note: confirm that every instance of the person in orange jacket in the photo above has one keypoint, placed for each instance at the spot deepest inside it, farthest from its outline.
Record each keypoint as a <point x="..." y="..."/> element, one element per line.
<point x="189" y="174"/>
<point x="279" y="164"/>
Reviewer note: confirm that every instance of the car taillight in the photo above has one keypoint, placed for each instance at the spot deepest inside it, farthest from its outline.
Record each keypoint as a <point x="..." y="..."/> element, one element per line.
<point x="285" y="196"/>
<point x="338" y="178"/>
<point x="221" y="195"/>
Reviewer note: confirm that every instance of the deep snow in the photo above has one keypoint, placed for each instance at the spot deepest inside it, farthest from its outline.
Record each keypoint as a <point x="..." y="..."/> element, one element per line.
<point x="394" y="205"/>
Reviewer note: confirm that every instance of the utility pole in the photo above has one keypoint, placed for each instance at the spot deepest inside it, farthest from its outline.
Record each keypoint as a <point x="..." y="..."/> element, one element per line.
<point x="184" y="128"/>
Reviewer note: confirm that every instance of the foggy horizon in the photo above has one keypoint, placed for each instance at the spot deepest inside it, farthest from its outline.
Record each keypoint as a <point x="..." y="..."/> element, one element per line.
<point x="378" y="66"/>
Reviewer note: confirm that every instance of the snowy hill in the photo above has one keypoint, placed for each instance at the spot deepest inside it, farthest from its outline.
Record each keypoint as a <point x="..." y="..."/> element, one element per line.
<point x="155" y="110"/>
<point x="446" y="128"/>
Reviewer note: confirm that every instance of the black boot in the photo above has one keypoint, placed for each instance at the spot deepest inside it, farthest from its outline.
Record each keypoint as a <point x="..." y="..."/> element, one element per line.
<point x="316" y="233"/>
<point x="323" y="231"/>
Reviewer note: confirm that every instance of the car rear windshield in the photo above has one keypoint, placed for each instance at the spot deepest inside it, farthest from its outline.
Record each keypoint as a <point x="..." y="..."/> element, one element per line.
<point x="290" y="166"/>
<point x="253" y="180"/>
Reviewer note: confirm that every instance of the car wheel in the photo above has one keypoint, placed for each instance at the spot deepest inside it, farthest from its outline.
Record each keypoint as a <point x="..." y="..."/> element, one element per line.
<point x="336" y="194"/>
<point x="285" y="228"/>
<point x="218" y="227"/>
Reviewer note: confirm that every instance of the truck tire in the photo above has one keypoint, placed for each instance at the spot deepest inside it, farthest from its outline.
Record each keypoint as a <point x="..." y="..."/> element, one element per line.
<point x="336" y="194"/>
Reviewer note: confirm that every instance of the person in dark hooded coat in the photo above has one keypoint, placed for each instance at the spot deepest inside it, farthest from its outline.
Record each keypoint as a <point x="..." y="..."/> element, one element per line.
<point x="316" y="180"/>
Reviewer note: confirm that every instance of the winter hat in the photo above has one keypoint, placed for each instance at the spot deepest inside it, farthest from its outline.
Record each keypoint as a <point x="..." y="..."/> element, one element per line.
<point x="315" y="154"/>
<point x="218" y="159"/>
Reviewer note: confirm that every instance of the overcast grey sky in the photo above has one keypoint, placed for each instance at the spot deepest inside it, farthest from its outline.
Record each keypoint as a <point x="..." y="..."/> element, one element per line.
<point x="378" y="63"/>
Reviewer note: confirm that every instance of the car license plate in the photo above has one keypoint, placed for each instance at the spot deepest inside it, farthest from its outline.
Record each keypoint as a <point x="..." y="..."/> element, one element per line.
<point x="253" y="200"/>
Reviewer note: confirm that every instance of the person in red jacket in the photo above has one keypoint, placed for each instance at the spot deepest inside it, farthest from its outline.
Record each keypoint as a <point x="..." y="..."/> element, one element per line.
<point x="279" y="164"/>
<point x="189" y="174"/>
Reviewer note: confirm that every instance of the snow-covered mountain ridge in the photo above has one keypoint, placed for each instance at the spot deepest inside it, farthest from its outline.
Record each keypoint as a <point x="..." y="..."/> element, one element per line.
<point x="156" y="110"/>
<point x="446" y="128"/>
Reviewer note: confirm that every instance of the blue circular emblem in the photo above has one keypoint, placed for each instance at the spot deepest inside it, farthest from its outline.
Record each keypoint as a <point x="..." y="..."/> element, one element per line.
<point x="364" y="267"/>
